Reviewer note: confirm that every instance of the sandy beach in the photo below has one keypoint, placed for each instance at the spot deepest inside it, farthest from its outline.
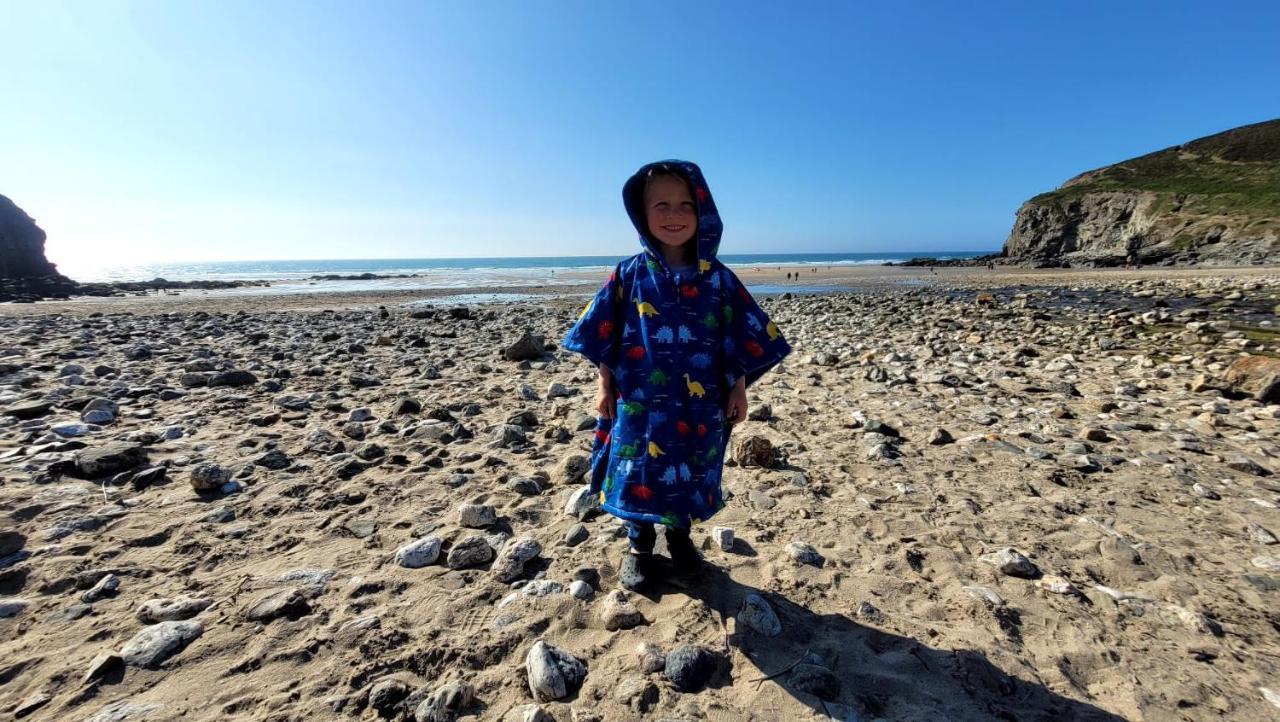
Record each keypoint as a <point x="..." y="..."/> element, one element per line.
<point x="968" y="495"/>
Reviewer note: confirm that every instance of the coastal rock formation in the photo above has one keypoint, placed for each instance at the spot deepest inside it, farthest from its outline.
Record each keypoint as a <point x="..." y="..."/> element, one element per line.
<point x="24" y="271"/>
<point x="1212" y="201"/>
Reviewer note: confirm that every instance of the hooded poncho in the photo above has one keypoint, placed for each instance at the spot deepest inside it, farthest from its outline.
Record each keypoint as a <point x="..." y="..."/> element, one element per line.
<point x="676" y="342"/>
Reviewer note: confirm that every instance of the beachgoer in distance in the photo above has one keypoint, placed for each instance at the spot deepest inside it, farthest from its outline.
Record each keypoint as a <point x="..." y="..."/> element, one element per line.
<point x="677" y="340"/>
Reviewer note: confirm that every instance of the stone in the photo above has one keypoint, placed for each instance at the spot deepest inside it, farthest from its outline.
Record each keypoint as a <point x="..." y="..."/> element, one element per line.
<point x="125" y="710"/>
<point x="102" y="665"/>
<point x="289" y="603"/>
<point x="617" y="612"/>
<point x="1012" y="563"/>
<point x="470" y="552"/>
<point x="157" y="642"/>
<point x="754" y="451"/>
<point x="758" y="615"/>
<point x="802" y="553"/>
<point x="106" y="587"/>
<point x="274" y="459"/>
<point x="577" y="534"/>
<point x="572" y="469"/>
<point x="762" y="412"/>
<point x="209" y="477"/>
<point x="1257" y="533"/>
<point x="553" y="673"/>
<point x="637" y="693"/>
<point x="510" y="561"/>
<point x="1243" y="463"/>
<point x="529" y="713"/>
<point x="108" y="459"/>
<point x="419" y="553"/>
<point x="689" y="667"/>
<point x="1268" y="563"/>
<point x="581" y="503"/>
<point x="171" y="610"/>
<point x="1255" y="375"/>
<point x="579" y="589"/>
<point x="1056" y="585"/>
<point x="651" y="658"/>
<point x="31" y="704"/>
<point x="10" y="542"/>
<point x="29" y="409"/>
<point x="723" y="538"/>
<point x="529" y="347"/>
<point x="477" y="516"/>
<point x="12" y="606"/>
<point x="940" y="437"/>
<point x="386" y="694"/>
<point x="444" y="704"/>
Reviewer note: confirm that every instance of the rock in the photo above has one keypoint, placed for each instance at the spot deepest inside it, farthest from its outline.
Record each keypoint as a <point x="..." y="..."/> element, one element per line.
<point x="572" y="469"/>
<point x="29" y="409"/>
<point x="290" y="603"/>
<point x="158" y="642"/>
<point x="758" y="615"/>
<point x="802" y="553"/>
<point x="12" y="606"/>
<point x="386" y="694"/>
<point x="529" y="713"/>
<point x="510" y="562"/>
<point x="171" y="610"/>
<point x="106" y="587"/>
<point x="233" y="378"/>
<point x="470" y="552"/>
<point x="1256" y="376"/>
<point x="939" y="437"/>
<point x="528" y="348"/>
<point x="10" y="542"/>
<point x="525" y="486"/>
<point x="637" y="693"/>
<point x="1010" y="562"/>
<point x="689" y="667"/>
<point x="1269" y="563"/>
<point x="754" y="451"/>
<point x="986" y="595"/>
<point x="762" y="412"/>
<point x="579" y="589"/>
<point x="1243" y="463"/>
<point x="1257" y="533"/>
<point x="103" y="665"/>
<point x="1056" y="585"/>
<point x="815" y="680"/>
<point x="651" y="658"/>
<point x="445" y="702"/>
<point x="31" y="704"/>
<point x="108" y="459"/>
<point x="405" y="405"/>
<point x="125" y="710"/>
<point x="553" y="673"/>
<point x="581" y="503"/>
<point x="209" y="477"/>
<point x="419" y="553"/>
<point x="576" y="535"/>
<point x="275" y="460"/>
<point x="617" y="612"/>
<point x="558" y="390"/>
<point x="723" y="538"/>
<point x="477" y="516"/>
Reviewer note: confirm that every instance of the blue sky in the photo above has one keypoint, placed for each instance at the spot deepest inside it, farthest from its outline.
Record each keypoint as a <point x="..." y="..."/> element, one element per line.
<point x="168" y="130"/>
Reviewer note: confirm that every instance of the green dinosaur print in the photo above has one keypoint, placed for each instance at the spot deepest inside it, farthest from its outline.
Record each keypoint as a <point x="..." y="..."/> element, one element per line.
<point x="633" y="407"/>
<point x="728" y="313"/>
<point x="657" y="377"/>
<point x="712" y="453"/>
<point x="628" y="451"/>
<point x="608" y="484"/>
<point x="653" y="264"/>
<point x="710" y="320"/>
<point x="668" y="520"/>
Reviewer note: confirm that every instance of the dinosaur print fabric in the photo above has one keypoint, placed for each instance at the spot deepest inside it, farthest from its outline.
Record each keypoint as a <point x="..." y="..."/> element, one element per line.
<point x="676" y="342"/>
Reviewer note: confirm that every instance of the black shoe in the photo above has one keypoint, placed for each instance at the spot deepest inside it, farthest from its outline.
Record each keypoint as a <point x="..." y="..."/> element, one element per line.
<point x="685" y="559"/>
<point x="635" y="570"/>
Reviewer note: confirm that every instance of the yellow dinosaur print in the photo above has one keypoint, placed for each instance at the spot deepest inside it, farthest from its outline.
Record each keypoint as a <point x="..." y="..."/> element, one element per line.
<point x="704" y="265"/>
<point x="695" y="388"/>
<point x="774" y="333"/>
<point x="646" y="308"/>
<point x="655" y="450"/>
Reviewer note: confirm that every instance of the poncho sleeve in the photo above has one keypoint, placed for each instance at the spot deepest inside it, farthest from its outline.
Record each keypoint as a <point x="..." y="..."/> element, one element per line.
<point x="598" y="332"/>
<point x="753" y="344"/>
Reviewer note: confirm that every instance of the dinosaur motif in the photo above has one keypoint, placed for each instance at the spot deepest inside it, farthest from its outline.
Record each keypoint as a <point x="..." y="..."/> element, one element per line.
<point x="646" y="309"/>
<point x="695" y="388"/>
<point x="753" y="348"/>
<point x="727" y="311"/>
<point x="642" y="492"/>
<point x="587" y="308"/>
<point x="665" y="335"/>
<point x="635" y="353"/>
<point x="627" y="451"/>
<point x="754" y="323"/>
<point x="688" y="290"/>
<point x="774" y="333"/>
<point x="657" y="377"/>
<point x="685" y="335"/>
<point x="710" y="321"/>
<point x="668" y="475"/>
<point x="715" y="281"/>
<point x="685" y="474"/>
<point x="704" y="265"/>
<point x="700" y="360"/>
<point x="632" y="408"/>
<point x="605" y="329"/>
<point x="654" y="450"/>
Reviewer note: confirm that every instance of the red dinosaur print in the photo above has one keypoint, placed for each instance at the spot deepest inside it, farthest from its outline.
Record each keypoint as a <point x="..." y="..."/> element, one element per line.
<point x="605" y="329"/>
<point x="688" y="291"/>
<point x="642" y="492"/>
<point x="602" y="436"/>
<point x="635" y="352"/>
<point x="682" y="428"/>
<point x="753" y="348"/>
<point x="702" y="429"/>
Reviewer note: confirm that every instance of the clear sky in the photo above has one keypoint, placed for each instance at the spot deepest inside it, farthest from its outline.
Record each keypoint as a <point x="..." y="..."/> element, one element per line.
<point x="173" y="130"/>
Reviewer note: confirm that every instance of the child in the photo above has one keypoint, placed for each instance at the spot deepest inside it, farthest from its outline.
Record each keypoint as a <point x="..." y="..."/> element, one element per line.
<point x="677" y="340"/>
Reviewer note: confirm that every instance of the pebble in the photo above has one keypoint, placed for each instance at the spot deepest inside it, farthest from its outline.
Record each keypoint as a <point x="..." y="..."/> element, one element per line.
<point x="471" y="551"/>
<point x="477" y="516"/>
<point x="208" y="477"/>
<point x="576" y="534"/>
<point x="650" y="657"/>
<point x="689" y="667"/>
<point x="156" y="643"/>
<point x="553" y="673"/>
<point x="106" y="587"/>
<point x="1268" y="563"/>
<point x="987" y="595"/>
<point x="510" y="561"/>
<point x="581" y="503"/>
<point x="802" y="553"/>
<point x="290" y="603"/>
<point x="171" y="610"/>
<point x="1260" y="534"/>
<point x="579" y="589"/>
<point x="419" y="553"/>
<point x="1056" y="585"/>
<point x="1012" y="563"/>
<point x="617" y="612"/>
<point x="12" y="606"/>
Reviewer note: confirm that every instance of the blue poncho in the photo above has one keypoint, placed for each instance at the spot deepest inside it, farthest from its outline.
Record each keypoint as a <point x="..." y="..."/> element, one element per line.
<point x="676" y="343"/>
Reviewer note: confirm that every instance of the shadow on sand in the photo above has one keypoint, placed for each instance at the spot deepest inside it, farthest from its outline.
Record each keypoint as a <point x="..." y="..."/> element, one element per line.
<point x="849" y="671"/>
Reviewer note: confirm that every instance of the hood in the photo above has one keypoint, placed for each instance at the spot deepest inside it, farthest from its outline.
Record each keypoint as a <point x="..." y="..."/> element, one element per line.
<point x="709" y="226"/>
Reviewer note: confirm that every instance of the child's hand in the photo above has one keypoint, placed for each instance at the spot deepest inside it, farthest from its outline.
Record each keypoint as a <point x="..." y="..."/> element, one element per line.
<point x="736" y="410"/>
<point x="606" y="395"/>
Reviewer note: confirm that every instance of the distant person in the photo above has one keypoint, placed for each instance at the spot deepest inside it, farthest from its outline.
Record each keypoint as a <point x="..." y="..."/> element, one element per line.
<point x="677" y="339"/>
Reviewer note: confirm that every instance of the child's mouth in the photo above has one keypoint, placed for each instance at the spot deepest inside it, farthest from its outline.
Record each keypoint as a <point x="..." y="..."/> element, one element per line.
<point x="674" y="229"/>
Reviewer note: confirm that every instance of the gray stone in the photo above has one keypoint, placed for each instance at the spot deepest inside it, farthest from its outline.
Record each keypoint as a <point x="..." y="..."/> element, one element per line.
<point x="758" y="615"/>
<point x="815" y="680"/>
<point x="104" y="664"/>
<point x="209" y="477"/>
<point x="1257" y="533"/>
<point x="689" y="667"/>
<point x="802" y="553"/>
<point x="420" y="553"/>
<point x="12" y="606"/>
<point x="158" y="642"/>
<point x="171" y="610"/>
<point x="105" y="587"/>
<point x="1010" y="562"/>
<point x="579" y="589"/>
<point x="617" y="612"/>
<point x="528" y="348"/>
<point x="108" y="459"/>
<point x="553" y="673"/>
<point x="581" y="503"/>
<point x="290" y="603"/>
<point x="510" y="562"/>
<point x="470" y="552"/>
<point x="651" y="658"/>
<point x="477" y="516"/>
<point x="577" y="534"/>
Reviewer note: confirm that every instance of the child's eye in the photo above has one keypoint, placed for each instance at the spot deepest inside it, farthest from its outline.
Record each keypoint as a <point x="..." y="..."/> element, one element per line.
<point x="687" y="206"/>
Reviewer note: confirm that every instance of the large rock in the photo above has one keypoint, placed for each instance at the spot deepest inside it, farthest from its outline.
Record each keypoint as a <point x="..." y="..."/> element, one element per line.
<point x="111" y="458"/>
<point x="1258" y="376"/>
<point x="528" y="348"/>
<point x="158" y="642"/>
<point x="25" y="273"/>
<point x="553" y="673"/>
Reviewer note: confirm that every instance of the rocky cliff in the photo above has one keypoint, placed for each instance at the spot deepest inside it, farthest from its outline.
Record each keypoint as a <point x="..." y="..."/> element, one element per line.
<point x="25" y="274"/>
<point x="1215" y="200"/>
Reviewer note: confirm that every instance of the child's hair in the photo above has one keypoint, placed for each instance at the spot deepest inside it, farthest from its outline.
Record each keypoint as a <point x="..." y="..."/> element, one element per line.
<point x="667" y="170"/>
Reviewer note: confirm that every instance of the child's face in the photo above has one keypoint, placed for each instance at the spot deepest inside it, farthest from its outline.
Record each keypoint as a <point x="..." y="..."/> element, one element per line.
<point x="670" y="211"/>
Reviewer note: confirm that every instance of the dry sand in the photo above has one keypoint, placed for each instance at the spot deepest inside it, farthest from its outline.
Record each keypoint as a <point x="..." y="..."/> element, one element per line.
<point x="1080" y="436"/>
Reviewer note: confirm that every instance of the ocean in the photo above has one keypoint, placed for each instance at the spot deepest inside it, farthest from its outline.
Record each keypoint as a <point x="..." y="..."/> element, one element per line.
<point x="453" y="272"/>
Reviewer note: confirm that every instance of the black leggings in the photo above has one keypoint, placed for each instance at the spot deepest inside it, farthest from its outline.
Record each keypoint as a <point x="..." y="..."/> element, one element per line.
<point x="643" y="535"/>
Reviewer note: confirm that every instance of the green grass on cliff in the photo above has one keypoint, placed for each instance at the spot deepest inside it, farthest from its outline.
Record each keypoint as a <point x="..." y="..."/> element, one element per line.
<point x="1232" y="173"/>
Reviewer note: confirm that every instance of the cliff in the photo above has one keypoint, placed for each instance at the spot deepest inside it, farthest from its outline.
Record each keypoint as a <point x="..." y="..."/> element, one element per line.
<point x="25" y="274"/>
<point x="1215" y="201"/>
